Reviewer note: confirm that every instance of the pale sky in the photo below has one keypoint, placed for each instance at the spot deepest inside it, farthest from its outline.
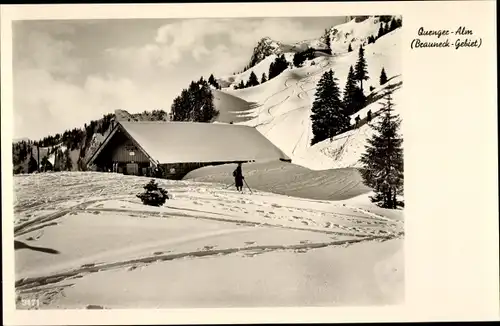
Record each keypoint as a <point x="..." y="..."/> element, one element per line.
<point x="67" y="73"/>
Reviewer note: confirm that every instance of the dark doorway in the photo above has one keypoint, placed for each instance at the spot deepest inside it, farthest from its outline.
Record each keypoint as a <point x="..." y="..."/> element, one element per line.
<point x="132" y="168"/>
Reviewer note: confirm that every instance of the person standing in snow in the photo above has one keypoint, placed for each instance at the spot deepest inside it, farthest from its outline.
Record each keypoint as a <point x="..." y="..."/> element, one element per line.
<point x="357" y="122"/>
<point x="238" y="178"/>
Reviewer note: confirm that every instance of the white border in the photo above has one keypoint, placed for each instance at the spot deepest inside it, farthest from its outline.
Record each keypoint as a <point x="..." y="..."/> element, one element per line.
<point x="451" y="190"/>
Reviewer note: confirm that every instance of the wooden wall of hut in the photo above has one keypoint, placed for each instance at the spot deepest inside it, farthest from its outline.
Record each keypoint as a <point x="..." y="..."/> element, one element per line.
<point x="122" y="153"/>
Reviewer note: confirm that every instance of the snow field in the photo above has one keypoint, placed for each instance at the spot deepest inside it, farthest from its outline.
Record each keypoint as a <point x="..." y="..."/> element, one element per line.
<point x="288" y="179"/>
<point x="104" y="233"/>
<point x="368" y="273"/>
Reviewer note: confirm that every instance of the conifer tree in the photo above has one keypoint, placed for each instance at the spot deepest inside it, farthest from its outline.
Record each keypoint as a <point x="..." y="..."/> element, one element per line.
<point x="359" y="99"/>
<point x="298" y="59"/>
<point x="278" y="66"/>
<point x="309" y="53"/>
<point x="361" y="72"/>
<point x="252" y="80"/>
<point x="349" y="49"/>
<point x="194" y="103"/>
<point x="153" y="195"/>
<point x="386" y="28"/>
<point x="32" y="165"/>
<point x="327" y="39"/>
<point x="207" y="108"/>
<point x="393" y="24"/>
<point x="213" y="82"/>
<point x="176" y="109"/>
<point x="383" y="160"/>
<point x="211" y="79"/>
<point x="38" y="157"/>
<point x="350" y="94"/>
<point x="192" y="98"/>
<point x="272" y="69"/>
<point x="58" y="155"/>
<point x="383" y="77"/>
<point x="380" y="30"/>
<point x="399" y="22"/>
<point x="328" y="115"/>
<point x="369" y="115"/>
<point x="68" y="165"/>
<point x="385" y="18"/>
<point x="264" y="78"/>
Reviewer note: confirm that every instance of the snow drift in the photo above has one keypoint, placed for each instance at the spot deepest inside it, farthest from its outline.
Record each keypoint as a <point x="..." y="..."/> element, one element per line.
<point x="231" y="109"/>
<point x="289" y="179"/>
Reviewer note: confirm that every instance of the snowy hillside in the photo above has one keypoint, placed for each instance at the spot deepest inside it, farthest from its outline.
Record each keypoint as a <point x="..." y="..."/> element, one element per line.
<point x="313" y="43"/>
<point x="260" y="68"/>
<point x="282" y="105"/>
<point x="209" y="246"/>
<point x="346" y="149"/>
<point x="230" y="107"/>
<point x="267" y="47"/>
<point x="354" y="33"/>
<point x="95" y="142"/>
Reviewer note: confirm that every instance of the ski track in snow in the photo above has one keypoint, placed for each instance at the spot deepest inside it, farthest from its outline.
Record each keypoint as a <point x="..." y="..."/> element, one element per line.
<point x="271" y="116"/>
<point x="30" y="283"/>
<point x="92" y="193"/>
<point x="297" y="87"/>
<point x="295" y="92"/>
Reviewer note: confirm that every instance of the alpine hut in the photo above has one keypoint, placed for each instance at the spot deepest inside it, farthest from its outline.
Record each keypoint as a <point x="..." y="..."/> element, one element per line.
<point x="176" y="148"/>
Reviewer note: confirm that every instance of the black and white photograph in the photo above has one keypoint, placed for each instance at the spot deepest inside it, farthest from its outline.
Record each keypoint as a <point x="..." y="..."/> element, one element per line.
<point x="228" y="163"/>
<point x="208" y="162"/>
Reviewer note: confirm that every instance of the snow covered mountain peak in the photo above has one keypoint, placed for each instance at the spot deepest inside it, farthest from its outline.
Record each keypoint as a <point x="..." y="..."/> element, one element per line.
<point x="265" y="47"/>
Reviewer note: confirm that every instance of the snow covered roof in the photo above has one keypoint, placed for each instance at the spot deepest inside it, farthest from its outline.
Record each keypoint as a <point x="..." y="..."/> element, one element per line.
<point x="183" y="142"/>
